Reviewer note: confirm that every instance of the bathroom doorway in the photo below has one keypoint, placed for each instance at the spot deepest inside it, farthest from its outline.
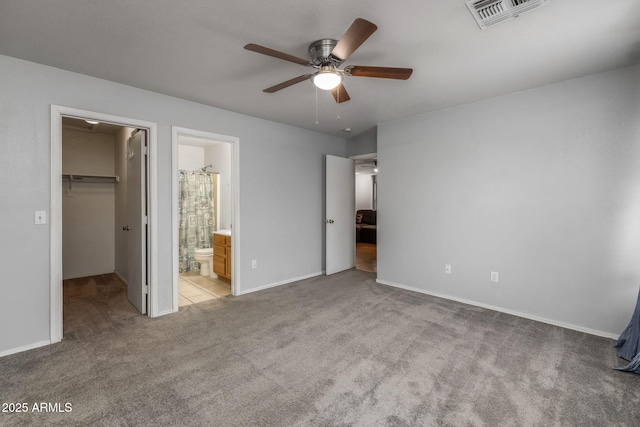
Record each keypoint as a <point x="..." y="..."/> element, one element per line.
<point x="97" y="160"/>
<point x="204" y="205"/>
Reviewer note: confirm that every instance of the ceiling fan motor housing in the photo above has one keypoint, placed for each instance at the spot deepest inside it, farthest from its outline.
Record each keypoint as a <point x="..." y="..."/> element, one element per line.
<point x="320" y="53"/>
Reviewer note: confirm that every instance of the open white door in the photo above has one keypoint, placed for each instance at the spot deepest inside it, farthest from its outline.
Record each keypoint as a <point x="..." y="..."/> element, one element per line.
<point x="137" y="223"/>
<point x="340" y="216"/>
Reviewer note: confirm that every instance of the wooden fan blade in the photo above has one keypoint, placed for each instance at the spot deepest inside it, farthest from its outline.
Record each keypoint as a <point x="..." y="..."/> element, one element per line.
<point x="379" y="72"/>
<point x="340" y="94"/>
<point x="358" y="32"/>
<point x="277" y="54"/>
<point x="287" y="83"/>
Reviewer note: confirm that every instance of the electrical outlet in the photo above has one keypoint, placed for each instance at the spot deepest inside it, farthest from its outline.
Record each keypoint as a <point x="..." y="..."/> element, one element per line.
<point x="41" y="217"/>
<point x="495" y="278"/>
<point x="447" y="268"/>
<point x="254" y="263"/>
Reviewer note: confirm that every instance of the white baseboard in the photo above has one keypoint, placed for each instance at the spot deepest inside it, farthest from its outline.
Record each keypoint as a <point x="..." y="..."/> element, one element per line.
<point x="24" y="348"/>
<point x="503" y="310"/>
<point x="164" y="313"/>
<point x="284" y="282"/>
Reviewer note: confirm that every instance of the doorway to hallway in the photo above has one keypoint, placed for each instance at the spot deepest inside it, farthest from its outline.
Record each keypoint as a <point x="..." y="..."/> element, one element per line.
<point x="366" y="200"/>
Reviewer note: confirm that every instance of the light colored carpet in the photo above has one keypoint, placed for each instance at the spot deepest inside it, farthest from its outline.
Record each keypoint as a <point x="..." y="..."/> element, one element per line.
<point x="338" y="350"/>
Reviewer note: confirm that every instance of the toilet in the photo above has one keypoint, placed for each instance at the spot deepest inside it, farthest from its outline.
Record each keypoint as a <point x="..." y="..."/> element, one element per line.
<point x="205" y="257"/>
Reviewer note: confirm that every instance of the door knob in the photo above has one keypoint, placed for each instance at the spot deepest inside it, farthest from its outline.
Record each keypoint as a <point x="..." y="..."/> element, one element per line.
<point x="127" y="228"/>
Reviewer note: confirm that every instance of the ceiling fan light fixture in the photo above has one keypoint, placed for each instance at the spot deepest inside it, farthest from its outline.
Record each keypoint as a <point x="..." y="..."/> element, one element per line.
<point x="327" y="78"/>
<point x="328" y="55"/>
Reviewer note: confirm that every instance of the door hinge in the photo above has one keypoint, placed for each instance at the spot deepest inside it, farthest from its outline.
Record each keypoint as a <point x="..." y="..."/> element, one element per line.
<point x="146" y="289"/>
<point x="145" y="221"/>
<point x="146" y="150"/>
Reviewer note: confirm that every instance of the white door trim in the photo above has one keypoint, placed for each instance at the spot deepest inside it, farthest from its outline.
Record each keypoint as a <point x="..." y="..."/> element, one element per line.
<point x="57" y="112"/>
<point x="236" y="287"/>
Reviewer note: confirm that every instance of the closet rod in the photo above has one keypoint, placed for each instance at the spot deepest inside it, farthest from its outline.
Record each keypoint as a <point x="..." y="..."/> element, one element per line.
<point x="71" y="178"/>
<point x="90" y="178"/>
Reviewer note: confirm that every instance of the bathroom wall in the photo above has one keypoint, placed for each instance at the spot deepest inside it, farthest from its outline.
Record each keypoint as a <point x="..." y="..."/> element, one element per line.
<point x="219" y="156"/>
<point x="190" y="157"/>
<point x="365" y="143"/>
<point x="87" y="208"/>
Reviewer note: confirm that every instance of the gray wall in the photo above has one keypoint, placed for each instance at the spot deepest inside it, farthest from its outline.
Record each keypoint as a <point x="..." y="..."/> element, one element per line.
<point x="281" y="187"/>
<point x="542" y="186"/>
<point x="365" y="143"/>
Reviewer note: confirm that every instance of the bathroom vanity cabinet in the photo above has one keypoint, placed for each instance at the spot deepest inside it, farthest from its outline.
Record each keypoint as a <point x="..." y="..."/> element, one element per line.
<point x="222" y="255"/>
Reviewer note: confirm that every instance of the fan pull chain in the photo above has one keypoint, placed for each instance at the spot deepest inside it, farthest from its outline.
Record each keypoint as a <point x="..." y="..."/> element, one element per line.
<point x="338" y="104"/>
<point x="317" y="122"/>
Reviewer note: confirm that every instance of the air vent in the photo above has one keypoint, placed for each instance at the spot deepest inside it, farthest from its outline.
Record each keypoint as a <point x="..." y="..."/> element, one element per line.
<point x="491" y="12"/>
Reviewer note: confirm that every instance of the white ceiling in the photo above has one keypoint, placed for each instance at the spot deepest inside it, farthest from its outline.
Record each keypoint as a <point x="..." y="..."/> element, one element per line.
<point x="194" y="50"/>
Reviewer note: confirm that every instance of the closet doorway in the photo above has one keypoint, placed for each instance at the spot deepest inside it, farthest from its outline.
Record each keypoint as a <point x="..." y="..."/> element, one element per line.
<point x="102" y="220"/>
<point x="104" y="200"/>
<point x="205" y="216"/>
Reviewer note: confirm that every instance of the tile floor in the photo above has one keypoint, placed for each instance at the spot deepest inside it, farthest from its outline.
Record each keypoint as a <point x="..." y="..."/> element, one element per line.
<point x="194" y="288"/>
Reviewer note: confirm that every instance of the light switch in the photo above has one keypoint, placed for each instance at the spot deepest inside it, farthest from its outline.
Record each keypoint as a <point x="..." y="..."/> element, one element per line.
<point x="41" y="217"/>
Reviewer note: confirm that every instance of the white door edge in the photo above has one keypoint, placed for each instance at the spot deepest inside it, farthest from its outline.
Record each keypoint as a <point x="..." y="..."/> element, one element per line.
<point x="339" y="214"/>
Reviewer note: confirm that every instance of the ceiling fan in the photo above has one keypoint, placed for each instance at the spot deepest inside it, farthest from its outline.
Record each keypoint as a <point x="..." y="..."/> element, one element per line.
<point x="327" y="55"/>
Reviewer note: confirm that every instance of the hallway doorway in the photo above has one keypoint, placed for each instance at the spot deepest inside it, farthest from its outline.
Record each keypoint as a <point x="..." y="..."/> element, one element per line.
<point x="366" y="212"/>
